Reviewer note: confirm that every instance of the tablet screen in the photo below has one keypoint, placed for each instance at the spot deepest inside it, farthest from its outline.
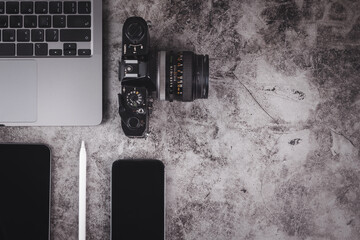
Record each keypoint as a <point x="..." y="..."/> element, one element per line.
<point x="25" y="191"/>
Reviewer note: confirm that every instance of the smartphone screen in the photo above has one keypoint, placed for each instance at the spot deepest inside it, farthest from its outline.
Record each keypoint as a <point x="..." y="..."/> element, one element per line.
<point x="137" y="200"/>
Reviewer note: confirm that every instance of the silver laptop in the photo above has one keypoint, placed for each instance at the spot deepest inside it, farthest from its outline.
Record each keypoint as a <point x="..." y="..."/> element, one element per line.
<point x="50" y="63"/>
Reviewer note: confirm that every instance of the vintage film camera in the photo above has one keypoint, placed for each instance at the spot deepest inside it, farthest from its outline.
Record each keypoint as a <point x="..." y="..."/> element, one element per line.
<point x="147" y="74"/>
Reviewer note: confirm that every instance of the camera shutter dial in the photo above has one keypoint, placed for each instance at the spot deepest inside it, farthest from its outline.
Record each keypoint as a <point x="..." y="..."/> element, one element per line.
<point x="134" y="99"/>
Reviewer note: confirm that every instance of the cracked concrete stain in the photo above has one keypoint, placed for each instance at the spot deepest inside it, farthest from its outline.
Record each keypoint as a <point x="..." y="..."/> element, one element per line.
<point x="286" y="99"/>
<point x="343" y="147"/>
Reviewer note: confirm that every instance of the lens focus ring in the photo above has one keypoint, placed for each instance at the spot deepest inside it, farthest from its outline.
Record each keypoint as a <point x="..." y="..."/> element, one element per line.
<point x="187" y="76"/>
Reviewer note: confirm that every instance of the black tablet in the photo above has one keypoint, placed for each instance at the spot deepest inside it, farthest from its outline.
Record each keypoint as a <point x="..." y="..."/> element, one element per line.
<point x="25" y="191"/>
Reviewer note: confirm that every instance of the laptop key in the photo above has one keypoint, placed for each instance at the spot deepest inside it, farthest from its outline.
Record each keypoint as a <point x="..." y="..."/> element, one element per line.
<point x="41" y="49"/>
<point x="30" y="21"/>
<point x="84" y="7"/>
<point x="25" y="49"/>
<point x="75" y="35"/>
<point x="69" y="52"/>
<point x="41" y="7"/>
<point x="16" y="21"/>
<point x="78" y="21"/>
<point x="52" y="35"/>
<point x="45" y="21"/>
<point x="84" y="52"/>
<point x="7" y="49"/>
<point x="55" y="52"/>
<point x="27" y="7"/>
<point x="2" y="7"/>
<point x="59" y="21"/>
<point x="3" y="21"/>
<point x="12" y="7"/>
<point x="55" y="7"/>
<point x="69" y="46"/>
<point x="23" y="35"/>
<point x="69" y="7"/>
<point x="37" y="35"/>
<point x="8" y="35"/>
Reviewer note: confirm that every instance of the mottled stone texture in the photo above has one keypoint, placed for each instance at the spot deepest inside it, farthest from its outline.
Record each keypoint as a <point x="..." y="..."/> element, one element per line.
<point x="272" y="154"/>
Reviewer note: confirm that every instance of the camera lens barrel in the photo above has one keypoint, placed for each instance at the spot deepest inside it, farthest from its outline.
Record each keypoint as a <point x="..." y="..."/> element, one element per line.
<point x="182" y="76"/>
<point x="161" y="75"/>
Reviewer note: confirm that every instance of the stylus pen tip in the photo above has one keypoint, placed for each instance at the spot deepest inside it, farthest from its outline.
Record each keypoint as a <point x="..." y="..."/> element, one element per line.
<point x="82" y="144"/>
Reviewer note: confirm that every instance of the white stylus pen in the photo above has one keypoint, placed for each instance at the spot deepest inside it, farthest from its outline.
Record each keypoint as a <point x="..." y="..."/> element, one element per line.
<point x="82" y="192"/>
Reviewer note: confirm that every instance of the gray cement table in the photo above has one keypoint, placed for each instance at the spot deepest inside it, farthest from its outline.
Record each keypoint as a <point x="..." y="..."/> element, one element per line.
<point x="272" y="154"/>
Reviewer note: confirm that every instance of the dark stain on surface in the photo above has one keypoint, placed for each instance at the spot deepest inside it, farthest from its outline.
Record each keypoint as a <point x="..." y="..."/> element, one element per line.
<point x="295" y="222"/>
<point x="285" y="14"/>
<point x="313" y="10"/>
<point x="295" y="217"/>
<point x="295" y="141"/>
<point x="336" y="74"/>
<point x="216" y="132"/>
<point x="213" y="216"/>
<point x="184" y="11"/>
<point x="218" y="8"/>
<point x="199" y="113"/>
<point x="327" y="36"/>
<point x="279" y="18"/>
<point x="175" y="228"/>
<point x="337" y="12"/>
<point x="348" y="193"/>
<point x="300" y="94"/>
<point x="354" y="34"/>
<point x="270" y="89"/>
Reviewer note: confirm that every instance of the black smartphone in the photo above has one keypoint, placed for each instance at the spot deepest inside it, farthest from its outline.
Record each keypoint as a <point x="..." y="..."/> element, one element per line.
<point x="137" y="200"/>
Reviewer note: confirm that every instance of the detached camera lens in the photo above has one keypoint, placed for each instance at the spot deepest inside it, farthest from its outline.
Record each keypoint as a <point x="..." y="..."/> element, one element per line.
<point x="182" y="76"/>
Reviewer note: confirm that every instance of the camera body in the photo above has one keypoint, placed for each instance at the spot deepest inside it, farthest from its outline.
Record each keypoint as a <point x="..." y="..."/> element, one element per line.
<point x="136" y="85"/>
<point x="147" y="74"/>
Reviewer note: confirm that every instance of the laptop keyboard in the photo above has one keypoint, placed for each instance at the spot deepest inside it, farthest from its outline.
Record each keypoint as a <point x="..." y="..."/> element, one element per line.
<point x="45" y="28"/>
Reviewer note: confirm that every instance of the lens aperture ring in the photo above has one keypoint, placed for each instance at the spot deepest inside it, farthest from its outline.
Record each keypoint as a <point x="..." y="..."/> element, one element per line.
<point x="179" y="74"/>
<point x="172" y="76"/>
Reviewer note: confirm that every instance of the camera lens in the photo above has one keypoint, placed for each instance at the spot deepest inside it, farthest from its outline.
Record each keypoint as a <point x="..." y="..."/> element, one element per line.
<point x="182" y="76"/>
